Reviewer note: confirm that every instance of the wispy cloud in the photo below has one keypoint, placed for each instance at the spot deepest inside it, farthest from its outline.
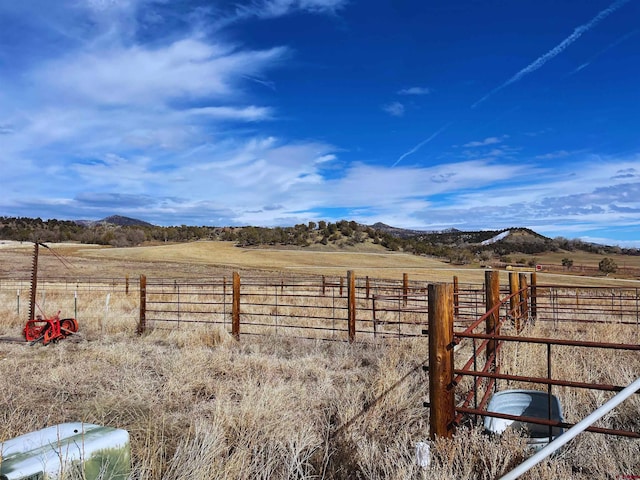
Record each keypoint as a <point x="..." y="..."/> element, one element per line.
<point x="266" y="9"/>
<point x="557" y="50"/>
<point x="144" y="75"/>
<point x="395" y="109"/>
<point x="485" y="142"/>
<point x="421" y="144"/>
<point x="557" y="154"/>
<point x="249" y="114"/>
<point x="415" y="91"/>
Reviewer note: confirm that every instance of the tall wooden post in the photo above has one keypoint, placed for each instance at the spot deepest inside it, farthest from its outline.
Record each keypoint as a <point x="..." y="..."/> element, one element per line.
<point x="235" y="311"/>
<point x="405" y="288"/>
<point x="492" y="287"/>
<point x="351" y="293"/>
<point x="142" y="323"/>
<point x="514" y="307"/>
<point x="524" y="298"/>
<point x="441" y="387"/>
<point x="367" y="287"/>
<point x="126" y="284"/>
<point x="341" y="286"/>
<point x="456" y="300"/>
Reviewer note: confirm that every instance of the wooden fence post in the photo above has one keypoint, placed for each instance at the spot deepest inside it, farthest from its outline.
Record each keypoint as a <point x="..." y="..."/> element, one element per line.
<point x="351" y="293"/>
<point x="324" y="283"/>
<point x="492" y="287"/>
<point x="456" y="300"/>
<point x="126" y="284"/>
<point x="441" y="387"/>
<point x="524" y="298"/>
<point x="341" y="286"/>
<point x="534" y="297"/>
<point x="367" y="286"/>
<point x="142" y="323"/>
<point x="235" y="313"/>
<point x="514" y="307"/>
<point x="405" y="288"/>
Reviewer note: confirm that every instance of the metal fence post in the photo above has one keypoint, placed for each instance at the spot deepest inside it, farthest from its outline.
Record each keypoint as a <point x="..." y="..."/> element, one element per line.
<point x="351" y="293"/>
<point x="534" y="297"/>
<point x="405" y="288"/>
<point x="142" y="323"/>
<point x="456" y="299"/>
<point x="441" y="386"/>
<point x="235" y="314"/>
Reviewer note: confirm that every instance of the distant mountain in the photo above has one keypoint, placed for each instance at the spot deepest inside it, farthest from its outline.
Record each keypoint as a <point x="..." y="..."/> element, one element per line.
<point x="116" y="220"/>
<point x="125" y="221"/>
<point x="510" y="238"/>
<point x="397" y="232"/>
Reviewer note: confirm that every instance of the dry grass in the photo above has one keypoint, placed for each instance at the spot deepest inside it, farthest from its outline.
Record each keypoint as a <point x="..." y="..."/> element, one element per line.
<point x="199" y="405"/>
<point x="206" y="258"/>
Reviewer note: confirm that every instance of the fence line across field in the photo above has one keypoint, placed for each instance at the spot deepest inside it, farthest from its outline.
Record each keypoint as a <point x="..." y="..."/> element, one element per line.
<point x="383" y="307"/>
<point x="391" y="308"/>
<point x="271" y="305"/>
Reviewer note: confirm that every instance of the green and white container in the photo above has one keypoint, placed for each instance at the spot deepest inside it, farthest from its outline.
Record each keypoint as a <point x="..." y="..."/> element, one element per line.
<point x="67" y="451"/>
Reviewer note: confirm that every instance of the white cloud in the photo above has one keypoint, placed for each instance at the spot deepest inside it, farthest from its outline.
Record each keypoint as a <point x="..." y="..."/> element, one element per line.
<point x="270" y="9"/>
<point x="395" y="109"/>
<point x="554" y="155"/>
<point x="138" y="75"/>
<point x="326" y="158"/>
<point x="415" y="91"/>
<point x="487" y="141"/>
<point x="249" y="114"/>
<point x="279" y="8"/>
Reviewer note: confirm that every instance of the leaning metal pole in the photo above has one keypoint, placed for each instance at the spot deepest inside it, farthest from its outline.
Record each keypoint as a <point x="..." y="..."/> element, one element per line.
<point x="34" y="283"/>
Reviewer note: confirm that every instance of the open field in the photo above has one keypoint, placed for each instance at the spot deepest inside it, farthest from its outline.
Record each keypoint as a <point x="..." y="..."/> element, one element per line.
<point x="201" y="259"/>
<point x="200" y="405"/>
<point x="586" y="259"/>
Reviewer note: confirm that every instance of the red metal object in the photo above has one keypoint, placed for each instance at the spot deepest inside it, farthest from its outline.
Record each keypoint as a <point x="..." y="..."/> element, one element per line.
<point x="39" y="328"/>
<point x="49" y="329"/>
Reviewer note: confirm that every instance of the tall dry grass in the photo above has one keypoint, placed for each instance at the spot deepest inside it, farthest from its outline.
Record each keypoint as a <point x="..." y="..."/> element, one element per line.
<point x="200" y="405"/>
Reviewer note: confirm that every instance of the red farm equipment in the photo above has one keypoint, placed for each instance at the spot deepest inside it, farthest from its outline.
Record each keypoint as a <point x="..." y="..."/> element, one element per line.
<point x="41" y="328"/>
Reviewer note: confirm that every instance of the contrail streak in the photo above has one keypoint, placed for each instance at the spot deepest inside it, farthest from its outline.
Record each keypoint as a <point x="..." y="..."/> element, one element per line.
<point x="557" y="50"/>
<point x="421" y="144"/>
<point x="604" y="50"/>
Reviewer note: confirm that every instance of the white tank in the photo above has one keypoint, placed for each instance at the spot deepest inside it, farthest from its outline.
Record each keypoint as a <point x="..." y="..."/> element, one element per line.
<point x="528" y="403"/>
<point x="68" y="450"/>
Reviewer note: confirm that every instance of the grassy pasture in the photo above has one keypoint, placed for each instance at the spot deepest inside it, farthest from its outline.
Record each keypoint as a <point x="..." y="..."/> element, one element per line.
<point x="199" y="405"/>
<point x="201" y="259"/>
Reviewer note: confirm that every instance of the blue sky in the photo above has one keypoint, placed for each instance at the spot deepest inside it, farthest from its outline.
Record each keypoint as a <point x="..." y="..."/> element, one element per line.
<point x="419" y="114"/>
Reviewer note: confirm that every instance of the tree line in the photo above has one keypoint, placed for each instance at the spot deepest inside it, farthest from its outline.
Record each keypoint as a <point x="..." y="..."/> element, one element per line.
<point x="455" y="246"/>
